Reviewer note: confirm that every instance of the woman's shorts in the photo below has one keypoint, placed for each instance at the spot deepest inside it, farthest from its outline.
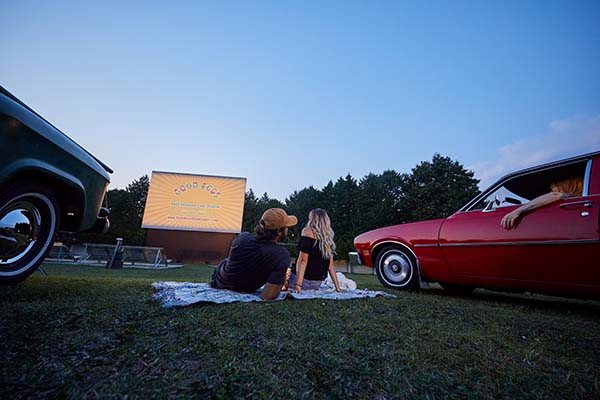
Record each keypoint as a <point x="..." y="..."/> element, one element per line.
<point x="307" y="284"/>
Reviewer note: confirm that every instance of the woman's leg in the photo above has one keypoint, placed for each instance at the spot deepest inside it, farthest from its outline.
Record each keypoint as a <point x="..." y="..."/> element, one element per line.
<point x="307" y="284"/>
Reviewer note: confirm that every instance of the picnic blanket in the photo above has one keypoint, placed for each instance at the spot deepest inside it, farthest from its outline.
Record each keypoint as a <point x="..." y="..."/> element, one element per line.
<point x="179" y="294"/>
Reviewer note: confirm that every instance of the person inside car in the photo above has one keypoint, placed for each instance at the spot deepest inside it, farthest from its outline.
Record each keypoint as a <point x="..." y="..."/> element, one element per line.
<point x="562" y="189"/>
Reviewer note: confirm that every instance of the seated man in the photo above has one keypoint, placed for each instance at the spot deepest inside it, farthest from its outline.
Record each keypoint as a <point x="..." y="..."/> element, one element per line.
<point x="558" y="190"/>
<point x="256" y="260"/>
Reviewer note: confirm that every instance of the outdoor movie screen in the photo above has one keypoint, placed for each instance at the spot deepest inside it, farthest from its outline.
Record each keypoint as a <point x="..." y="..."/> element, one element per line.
<point x="194" y="203"/>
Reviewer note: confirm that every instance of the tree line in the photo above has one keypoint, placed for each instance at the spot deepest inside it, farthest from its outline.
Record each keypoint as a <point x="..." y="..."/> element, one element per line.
<point x="432" y="189"/>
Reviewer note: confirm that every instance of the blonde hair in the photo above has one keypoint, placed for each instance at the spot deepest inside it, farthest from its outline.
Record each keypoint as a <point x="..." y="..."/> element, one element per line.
<point x="570" y="186"/>
<point x="319" y="222"/>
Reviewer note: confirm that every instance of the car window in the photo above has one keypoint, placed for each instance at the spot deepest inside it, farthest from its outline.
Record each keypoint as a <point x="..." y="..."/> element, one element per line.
<point x="523" y="188"/>
<point x="501" y="197"/>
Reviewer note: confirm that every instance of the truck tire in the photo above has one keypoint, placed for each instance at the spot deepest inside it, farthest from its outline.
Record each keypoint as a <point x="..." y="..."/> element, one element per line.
<point x="29" y="220"/>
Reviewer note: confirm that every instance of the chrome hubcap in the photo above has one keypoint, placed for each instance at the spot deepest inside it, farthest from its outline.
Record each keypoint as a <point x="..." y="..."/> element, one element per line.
<point x="19" y="228"/>
<point x="396" y="267"/>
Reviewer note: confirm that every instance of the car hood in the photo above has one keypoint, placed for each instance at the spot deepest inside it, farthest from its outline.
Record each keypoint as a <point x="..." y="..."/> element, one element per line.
<point x="414" y="233"/>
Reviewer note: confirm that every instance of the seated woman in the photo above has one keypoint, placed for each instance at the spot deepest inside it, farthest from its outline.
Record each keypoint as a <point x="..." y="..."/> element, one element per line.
<point x="569" y="187"/>
<point x="315" y="254"/>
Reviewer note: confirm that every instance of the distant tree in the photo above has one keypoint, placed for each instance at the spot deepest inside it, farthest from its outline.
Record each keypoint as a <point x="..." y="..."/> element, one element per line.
<point x="299" y="203"/>
<point x="139" y="192"/>
<point x="123" y="221"/>
<point x="329" y="199"/>
<point x="379" y="200"/>
<point x="126" y="211"/>
<point x="250" y="211"/>
<point x="436" y="189"/>
<point x="265" y="202"/>
<point x="341" y="201"/>
<point x="125" y="218"/>
<point x="254" y="209"/>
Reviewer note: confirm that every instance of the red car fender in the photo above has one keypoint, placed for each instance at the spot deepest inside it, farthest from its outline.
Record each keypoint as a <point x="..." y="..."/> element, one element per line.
<point x="420" y="238"/>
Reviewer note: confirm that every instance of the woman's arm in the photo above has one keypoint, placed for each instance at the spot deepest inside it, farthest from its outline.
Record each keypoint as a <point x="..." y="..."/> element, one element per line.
<point x="510" y="220"/>
<point x="300" y="270"/>
<point x="333" y="275"/>
<point x="302" y="261"/>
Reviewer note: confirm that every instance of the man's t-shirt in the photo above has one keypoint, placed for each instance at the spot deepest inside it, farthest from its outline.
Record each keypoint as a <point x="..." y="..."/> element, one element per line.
<point x="251" y="264"/>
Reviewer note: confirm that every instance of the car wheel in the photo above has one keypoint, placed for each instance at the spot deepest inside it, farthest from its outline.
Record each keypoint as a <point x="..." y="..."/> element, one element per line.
<point x="397" y="268"/>
<point x="29" y="220"/>
<point x="456" y="288"/>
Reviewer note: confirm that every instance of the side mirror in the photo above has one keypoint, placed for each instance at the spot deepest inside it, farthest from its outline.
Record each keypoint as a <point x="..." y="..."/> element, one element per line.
<point x="492" y="204"/>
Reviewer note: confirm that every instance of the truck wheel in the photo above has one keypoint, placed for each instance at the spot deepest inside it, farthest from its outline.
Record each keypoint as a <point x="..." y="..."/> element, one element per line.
<point x="397" y="268"/>
<point x="29" y="220"/>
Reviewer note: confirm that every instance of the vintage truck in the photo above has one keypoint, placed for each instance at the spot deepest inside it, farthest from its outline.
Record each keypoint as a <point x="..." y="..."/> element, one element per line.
<point x="47" y="183"/>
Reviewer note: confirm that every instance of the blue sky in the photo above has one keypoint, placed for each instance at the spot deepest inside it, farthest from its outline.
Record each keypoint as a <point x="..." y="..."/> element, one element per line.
<point x="292" y="94"/>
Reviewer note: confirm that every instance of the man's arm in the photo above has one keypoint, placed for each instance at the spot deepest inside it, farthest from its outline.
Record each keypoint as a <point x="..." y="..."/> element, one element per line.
<point x="281" y="261"/>
<point x="270" y="291"/>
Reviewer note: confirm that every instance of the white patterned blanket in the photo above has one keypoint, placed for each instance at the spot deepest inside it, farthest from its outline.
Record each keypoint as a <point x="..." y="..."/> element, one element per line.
<point x="178" y="294"/>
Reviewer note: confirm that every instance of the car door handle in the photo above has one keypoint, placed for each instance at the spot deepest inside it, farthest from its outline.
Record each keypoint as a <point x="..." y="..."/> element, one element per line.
<point x="585" y="203"/>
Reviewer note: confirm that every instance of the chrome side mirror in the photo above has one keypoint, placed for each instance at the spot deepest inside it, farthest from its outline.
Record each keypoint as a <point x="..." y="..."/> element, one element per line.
<point x="491" y="206"/>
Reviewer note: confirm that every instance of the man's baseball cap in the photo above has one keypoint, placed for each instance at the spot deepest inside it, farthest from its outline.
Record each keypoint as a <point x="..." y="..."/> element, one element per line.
<point x="275" y="218"/>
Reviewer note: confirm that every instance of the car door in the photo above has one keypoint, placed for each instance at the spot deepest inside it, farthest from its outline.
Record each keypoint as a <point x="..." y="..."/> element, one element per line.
<point x="557" y="243"/>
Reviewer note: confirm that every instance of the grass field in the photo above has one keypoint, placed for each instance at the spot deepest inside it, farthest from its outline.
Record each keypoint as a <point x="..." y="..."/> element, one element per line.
<point x="87" y="332"/>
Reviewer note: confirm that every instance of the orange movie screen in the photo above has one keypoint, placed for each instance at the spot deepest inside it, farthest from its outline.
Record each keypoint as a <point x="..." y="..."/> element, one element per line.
<point x="194" y="203"/>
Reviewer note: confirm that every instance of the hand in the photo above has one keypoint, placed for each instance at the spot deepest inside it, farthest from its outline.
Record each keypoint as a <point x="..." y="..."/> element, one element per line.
<point x="297" y="289"/>
<point x="340" y="290"/>
<point x="509" y="221"/>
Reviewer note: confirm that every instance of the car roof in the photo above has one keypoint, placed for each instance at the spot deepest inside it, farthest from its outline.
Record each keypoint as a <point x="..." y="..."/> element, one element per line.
<point x="552" y="164"/>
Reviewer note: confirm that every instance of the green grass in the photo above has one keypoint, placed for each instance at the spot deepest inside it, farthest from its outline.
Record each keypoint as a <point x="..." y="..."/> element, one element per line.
<point x="87" y="332"/>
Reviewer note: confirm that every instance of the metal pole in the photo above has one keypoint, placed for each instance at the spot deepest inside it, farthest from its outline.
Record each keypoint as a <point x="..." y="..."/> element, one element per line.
<point x="156" y="258"/>
<point x="112" y="260"/>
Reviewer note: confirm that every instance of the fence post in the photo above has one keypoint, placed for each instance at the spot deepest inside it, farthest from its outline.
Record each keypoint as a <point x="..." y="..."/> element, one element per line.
<point x="116" y="259"/>
<point x="156" y="258"/>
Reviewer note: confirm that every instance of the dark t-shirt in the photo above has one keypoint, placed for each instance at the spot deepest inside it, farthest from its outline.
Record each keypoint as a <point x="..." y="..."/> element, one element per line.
<point x="251" y="264"/>
<point x="317" y="266"/>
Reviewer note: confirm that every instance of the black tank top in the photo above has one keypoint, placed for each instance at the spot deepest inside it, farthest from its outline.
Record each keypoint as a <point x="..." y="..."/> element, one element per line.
<point x="317" y="266"/>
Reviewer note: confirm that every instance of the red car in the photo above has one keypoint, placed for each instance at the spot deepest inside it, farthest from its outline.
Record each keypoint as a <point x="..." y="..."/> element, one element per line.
<point x="554" y="249"/>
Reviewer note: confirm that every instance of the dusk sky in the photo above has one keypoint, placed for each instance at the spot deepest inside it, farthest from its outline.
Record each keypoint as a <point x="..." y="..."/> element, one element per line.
<point x="292" y="94"/>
